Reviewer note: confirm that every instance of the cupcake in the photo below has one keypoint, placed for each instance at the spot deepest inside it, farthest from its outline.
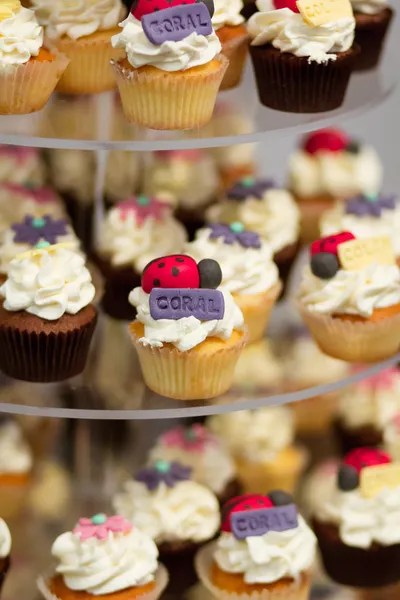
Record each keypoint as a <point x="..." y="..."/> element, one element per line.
<point x="302" y="62"/>
<point x="104" y="556"/>
<point x="259" y="370"/>
<point x="16" y="464"/>
<point x="29" y="72"/>
<point x="266" y="209"/>
<point x="187" y="333"/>
<point x="365" y="408"/>
<point x="261" y="443"/>
<point x="265" y="550"/>
<point x="391" y="437"/>
<point x="5" y="549"/>
<point x="373" y="18"/>
<point x="179" y="514"/>
<point x="133" y="233"/>
<point x="356" y="528"/>
<point x="318" y="486"/>
<point x="202" y="451"/>
<point x="232" y="33"/>
<point x="165" y="62"/>
<point x="330" y="166"/>
<point x="21" y="165"/>
<point x="248" y="271"/>
<point x="47" y="319"/>
<point x="351" y="291"/>
<point x="83" y="33"/>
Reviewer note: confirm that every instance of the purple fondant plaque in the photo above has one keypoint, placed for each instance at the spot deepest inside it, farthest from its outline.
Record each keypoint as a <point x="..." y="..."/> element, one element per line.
<point x="176" y="23"/>
<point x="204" y="304"/>
<point x="258" y="522"/>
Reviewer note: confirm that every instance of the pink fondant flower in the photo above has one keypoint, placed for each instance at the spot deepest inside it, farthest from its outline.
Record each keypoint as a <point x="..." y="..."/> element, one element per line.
<point x="385" y="380"/>
<point x="100" y="526"/>
<point x="144" y="208"/>
<point x="194" y="438"/>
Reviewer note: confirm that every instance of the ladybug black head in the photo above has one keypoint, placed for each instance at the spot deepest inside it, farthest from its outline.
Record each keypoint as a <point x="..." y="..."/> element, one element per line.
<point x="324" y="265"/>
<point x="353" y="147"/>
<point x="347" y="478"/>
<point x="210" y="273"/>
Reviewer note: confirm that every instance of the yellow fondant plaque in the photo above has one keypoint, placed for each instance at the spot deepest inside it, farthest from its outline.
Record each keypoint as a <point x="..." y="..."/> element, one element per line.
<point x="374" y="479"/>
<point x="357" y="254"/>
<point x="320" y="12"/>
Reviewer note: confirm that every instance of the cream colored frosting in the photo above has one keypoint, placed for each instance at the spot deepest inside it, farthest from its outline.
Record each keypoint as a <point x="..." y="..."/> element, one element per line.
<point x="352" y="292"/>
<point x="186" y="512"/>
<point x="244" y="270"/>
<point x="270" y="557"/>
<point x="288" y="32"/>
<point x="49" y="284"/>
<point x="185" y="333"/>
<point x="16" y="203"/>
<point x="369" y="7"/>
<point x="391" y="437"/>
<point x="366" y="226"/>
<point x="78" y="18"/>
<point x="99" y="567"/>
<point x="15" y="453"/>
<point x="258" y="368"/>
<point x="256" y="436"/>
<point x="125" y="241"/>
<point x="5" y="539"/>
<point x="21" y="37"/>
<point x="227" y="12"/>
<point x="275" y="216"/>
<point x="364" y="521"/>
<point x="338" y="174"/>
<point x="21" y="166"/>
<point x="305" y="364"/>
<point x="319" y="485"/>
<point x="192" y="51"/>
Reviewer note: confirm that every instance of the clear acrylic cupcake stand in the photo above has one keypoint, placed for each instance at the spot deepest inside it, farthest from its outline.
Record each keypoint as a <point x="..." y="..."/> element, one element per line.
<point x="99" y="425"/>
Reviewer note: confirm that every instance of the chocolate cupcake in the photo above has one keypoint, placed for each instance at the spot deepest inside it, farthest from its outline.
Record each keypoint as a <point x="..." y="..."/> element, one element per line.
<point x="373" y="19"/>
<point x="46" y="319"/>
<point x="5" y="549"/>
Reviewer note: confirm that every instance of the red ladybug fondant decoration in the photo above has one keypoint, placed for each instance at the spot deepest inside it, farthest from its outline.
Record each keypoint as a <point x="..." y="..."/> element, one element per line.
<point x="291" y="4"/>
<point x="326" y="140"/>
<point x="366" y="457"/>
<point x="245" y="503"/>
<point x="181" y="271"/>
<point x="330" y="243"/>
<point x="147" y="7"/>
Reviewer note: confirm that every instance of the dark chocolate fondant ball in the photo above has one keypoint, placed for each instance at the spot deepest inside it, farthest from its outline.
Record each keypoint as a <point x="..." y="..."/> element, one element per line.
<point x="347" y="478"/>
<point x="280" y="498"/>
<point x="324" y="265"/>
<point x="210" y="273"/>
<point x="353" y="147"/>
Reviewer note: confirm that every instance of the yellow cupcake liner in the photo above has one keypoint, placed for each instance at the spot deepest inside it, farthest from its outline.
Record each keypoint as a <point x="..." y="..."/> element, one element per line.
<point x="359" y="342"/>
<point x="288" y="589"/>
<point x="89" y="70"/>
<point x="13" y="499"/>
<point x="256" y="309"/>
<point x="191" y="375"/>
<point x="236" y="51"/>
<point x="26" y="88"/>
<point x="313" y="415"/>
<point x="162" y="100"/>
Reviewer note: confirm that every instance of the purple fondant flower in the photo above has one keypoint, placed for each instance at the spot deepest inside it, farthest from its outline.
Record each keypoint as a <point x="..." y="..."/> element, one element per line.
<point x="248" y="186"/>
<point x="372" y="206"/>
<point x="144" y="208"/>
<point x="235" y="232"/>
<point x="31" y="230"/>
<point x="163" y="471"/>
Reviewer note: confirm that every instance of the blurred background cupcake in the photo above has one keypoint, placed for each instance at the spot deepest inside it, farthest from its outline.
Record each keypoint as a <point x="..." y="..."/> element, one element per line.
<point x="21" y="165"/>
<point x="16" y="463"/>
<point x="232" y="33"/>
<point x="373" y="20"/>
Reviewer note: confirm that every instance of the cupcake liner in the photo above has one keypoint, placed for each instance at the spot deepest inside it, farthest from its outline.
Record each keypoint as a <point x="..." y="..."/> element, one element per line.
<point x="313" y="415"/>
<point x="360" y="342"/>
<point x="161" y="582"/>
<point x="89" y="70"/>
<point x="192" y="375"/>
<point x="348" y="439"/>
<point x="235" y="50"/>
<point x="4" y="568"/>
<point x="13" y="497"/>
<point x="291" y="84"/>
<point x="26" y="88"/>
<point x="40" y="351"/>
<point x="371" y="31"/>
<point x="289" y="590"/>
<point x="118" y="283"/>
<point x="162" y="100"/>
<point x="256" y="309"/>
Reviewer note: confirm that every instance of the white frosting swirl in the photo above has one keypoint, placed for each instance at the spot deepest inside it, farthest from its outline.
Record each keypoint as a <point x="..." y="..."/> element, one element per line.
<point x="257" y="436"/>
<point x="49" y="284"/>
<point x="275" y="216"/>
<point x="5" y="539"/>
<point x="364" y="521"/>
<point x="338" y="174"/>
<point x="21" y="37"/>
<point x="269" y="557"/>
<point x="244" y="270"/>
<point x="352" y="292"/>
<point x="192" y="51"/>
<point x="306" y="365"/>
<point x="186" y="333"/>
<point x="79" y="18"/>
<point x="363" y="226"/>
<point x="99" y="567"/>
<point x="125" y="241"/>
<point x="227" y="12"/>
<point x="186" y="512"/>
<point x="15" y="453"/>
<point x="369" y="7"/>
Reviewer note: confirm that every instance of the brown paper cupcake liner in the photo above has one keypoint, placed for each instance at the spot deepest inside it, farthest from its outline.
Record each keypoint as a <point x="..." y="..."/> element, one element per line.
<point x="371" y="31"/>
<point x="155" y="99"/>
<point x="361" y="342"/>
<point x="188" y="375"/>
<point x="235" y="50"/>
<point x="118" y="283"/>
<point x="291" y="84"/>
<point x="14" y="498"/>
<point x="311" y="211"/>
<point x="27" y="88"/>
<point x="257" y="309"/>
<point x="288" y="590"/>
<point x="4" y="568"/>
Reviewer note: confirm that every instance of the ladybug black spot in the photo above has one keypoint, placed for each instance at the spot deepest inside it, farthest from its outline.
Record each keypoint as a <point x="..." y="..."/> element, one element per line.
<point x="156" y="282"/>
<point x="347" y="478"/>
<point x="324" y="265"/>
<point x="181" y="260"/>
<point x="161" y="265"/>
<point x="175" y="271"/>
<point x="280" y="498"/>
<point x="210" y="273"/>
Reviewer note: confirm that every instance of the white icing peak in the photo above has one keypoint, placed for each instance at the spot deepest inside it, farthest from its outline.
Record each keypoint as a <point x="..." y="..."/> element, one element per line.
<point x="5" y="539"/>
<point x="369" y="7"/>
<point x="227" y="12"/>
<point x="21" y="37"/>
<point x="15" y="453"/>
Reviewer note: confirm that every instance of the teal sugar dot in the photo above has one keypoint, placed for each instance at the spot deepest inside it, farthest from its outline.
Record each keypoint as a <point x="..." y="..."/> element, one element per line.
<point x="371" y="197"/>
<point x="248" y="181"/>
<point x="190" y="434"/>
<point x="42" y="244"/>
<point x="99" y="519"/>
<point x="162" y="465"/>
<point x="237" y="227"/>
<point x="143" y="200"/>
<point x="38" y="223"/>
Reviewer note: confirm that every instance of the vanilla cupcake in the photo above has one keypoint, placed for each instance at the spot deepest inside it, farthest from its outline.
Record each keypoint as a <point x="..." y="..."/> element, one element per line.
<point x="248" y="271"/>
<point x="21" y="165"/>
<point x="259" y="370"/>
<point x="17" y="201"/>
<point x="228" y="23"/>
<point x="16" y="464"/>
<point x="5" y="550"/>
<point x="373" y="19"/>
<point x="261" y="443"/>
